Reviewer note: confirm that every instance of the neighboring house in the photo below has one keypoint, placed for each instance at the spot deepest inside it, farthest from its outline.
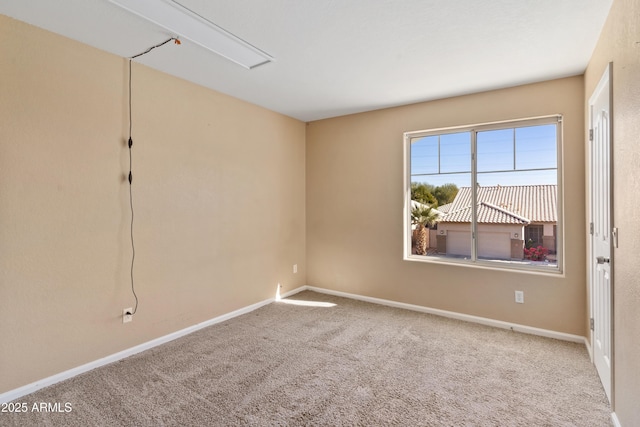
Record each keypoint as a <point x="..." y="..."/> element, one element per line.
<point x="508" y="218"/>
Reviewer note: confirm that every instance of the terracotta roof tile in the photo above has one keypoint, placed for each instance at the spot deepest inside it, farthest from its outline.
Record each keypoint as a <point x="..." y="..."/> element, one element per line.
<point x="518" y="204"/>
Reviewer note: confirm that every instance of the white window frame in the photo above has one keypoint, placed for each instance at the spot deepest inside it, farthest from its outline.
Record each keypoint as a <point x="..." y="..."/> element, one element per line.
<point x="474" y="261"/>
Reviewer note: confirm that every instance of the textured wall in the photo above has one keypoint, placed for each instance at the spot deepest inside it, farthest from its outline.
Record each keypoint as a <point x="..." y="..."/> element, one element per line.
<point x="620" y="43"/>
<point x="218" y="195"/>
<point x="355" y="205"/>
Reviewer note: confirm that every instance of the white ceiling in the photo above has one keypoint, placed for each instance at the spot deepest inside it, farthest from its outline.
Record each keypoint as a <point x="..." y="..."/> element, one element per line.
<point x="336" y="57"/>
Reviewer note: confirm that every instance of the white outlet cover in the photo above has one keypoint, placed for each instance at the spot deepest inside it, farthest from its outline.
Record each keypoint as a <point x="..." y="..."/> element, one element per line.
<point x="126" y="318"/>
<point x="520" y="297"/>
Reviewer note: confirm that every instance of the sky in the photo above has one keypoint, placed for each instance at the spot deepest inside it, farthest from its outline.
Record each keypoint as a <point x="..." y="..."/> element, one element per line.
<point x="520" y="156"/>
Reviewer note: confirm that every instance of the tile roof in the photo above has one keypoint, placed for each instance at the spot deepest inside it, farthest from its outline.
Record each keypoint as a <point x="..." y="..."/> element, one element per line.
<point x="518" y="204"/>
<point x="445" y="208"/>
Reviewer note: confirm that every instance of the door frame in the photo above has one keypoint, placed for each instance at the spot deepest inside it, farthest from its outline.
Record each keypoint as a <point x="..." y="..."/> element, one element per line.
<point x="606" y="79"/>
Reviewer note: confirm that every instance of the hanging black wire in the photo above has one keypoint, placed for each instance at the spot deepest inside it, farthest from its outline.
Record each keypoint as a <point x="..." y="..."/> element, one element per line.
<point x="130" y="143"/>
<point x="133" y="247"/>
<point x="158" y="45"/>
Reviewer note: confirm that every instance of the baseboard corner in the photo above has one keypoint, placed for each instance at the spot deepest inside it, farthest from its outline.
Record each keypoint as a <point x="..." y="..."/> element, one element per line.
<point x="587" y="344"/>
<point x="615" y="420"/>
<point x="294" y="291"/>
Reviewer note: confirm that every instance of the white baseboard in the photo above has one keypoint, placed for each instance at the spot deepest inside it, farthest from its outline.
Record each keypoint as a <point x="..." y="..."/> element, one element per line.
<point x="587" y="344"/>
<point x="615" y="420"/>
<point x="294" y="291"/>
<point x="451" y="314"/>
<point x="35" y="386"/>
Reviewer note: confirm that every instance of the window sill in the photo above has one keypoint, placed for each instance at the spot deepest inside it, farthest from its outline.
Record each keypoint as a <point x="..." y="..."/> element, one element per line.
<point x="503" y="266"/>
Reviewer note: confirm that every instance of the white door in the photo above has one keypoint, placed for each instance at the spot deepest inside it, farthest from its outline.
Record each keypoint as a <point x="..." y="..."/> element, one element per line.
<point x="600" y="229"/>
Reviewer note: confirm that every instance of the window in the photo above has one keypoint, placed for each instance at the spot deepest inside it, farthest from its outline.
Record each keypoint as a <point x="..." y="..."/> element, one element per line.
<point x="485" y="194"/>
<point x="533" y="235"/>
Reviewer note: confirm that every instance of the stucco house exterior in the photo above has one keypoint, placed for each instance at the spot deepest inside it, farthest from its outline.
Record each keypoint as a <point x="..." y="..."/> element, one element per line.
<point x="508" y="217"/>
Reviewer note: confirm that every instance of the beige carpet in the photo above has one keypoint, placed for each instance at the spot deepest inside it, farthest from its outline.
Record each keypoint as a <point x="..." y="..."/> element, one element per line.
<point x="352" y="364"/>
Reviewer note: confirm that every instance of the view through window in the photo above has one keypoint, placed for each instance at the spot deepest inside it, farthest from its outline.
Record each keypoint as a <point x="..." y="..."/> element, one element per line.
<point x="486" y="193"/>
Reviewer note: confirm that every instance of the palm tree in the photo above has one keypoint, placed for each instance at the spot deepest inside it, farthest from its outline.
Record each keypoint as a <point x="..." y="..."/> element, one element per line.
<point x="422" y="216"/>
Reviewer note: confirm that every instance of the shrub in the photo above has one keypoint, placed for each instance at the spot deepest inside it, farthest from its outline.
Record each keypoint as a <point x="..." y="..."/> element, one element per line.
<point x="536" y="254"/>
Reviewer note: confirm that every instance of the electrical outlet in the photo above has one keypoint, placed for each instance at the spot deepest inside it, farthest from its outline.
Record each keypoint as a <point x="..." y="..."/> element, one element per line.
<point x="126" y="315"/>
<point x="295" y="268"/>
<point x="520" y="297"/>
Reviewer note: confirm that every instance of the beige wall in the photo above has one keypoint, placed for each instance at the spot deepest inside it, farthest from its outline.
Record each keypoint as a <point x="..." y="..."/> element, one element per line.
<point x="620" y="43"/>
<point x="355" y="205"/>
<point x="220" y="205"/>
<point x="218" y="196"/>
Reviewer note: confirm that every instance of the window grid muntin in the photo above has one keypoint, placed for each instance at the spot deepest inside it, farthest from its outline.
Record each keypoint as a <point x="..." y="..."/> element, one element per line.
<point x="555" y="120"/>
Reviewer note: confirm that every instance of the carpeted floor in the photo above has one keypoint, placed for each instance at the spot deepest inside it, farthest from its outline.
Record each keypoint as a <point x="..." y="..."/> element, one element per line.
<point x="354" y="364"/>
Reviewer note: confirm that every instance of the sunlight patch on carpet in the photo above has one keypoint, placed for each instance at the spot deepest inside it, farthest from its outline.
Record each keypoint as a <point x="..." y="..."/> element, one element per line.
<point x="307" y="303"/>
<point x="301" y="302"/>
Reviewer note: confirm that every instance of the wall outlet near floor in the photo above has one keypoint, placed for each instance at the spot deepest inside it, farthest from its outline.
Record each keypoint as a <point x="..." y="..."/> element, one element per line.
<point x="520" y="297"/>
<point x="295" y="268"/>
<point x="126" y="315"/>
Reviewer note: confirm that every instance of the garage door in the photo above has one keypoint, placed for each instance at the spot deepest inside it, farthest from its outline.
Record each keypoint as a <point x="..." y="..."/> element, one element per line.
<point x="494" y="245"/>
<point x="459" y="243"/>
<point x="490" y="245"/>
